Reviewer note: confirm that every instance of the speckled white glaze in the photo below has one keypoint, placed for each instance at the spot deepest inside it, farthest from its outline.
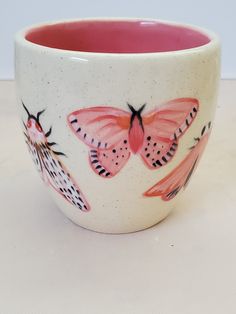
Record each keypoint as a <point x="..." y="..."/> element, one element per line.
<point x="62" y="81"/>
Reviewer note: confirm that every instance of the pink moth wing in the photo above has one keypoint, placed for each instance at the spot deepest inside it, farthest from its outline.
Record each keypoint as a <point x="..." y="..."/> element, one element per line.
<point x="179" y="177"/>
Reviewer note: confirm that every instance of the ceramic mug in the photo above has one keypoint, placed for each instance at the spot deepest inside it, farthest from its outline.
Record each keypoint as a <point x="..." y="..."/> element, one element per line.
<point x="116" y="114"/>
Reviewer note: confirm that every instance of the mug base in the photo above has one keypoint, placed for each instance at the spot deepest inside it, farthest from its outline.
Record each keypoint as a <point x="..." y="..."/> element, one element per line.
<point x="111" y="229"/>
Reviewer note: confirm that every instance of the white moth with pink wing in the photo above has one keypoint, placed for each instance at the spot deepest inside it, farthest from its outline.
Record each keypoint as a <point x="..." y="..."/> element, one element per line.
<point x="48" y="164"/>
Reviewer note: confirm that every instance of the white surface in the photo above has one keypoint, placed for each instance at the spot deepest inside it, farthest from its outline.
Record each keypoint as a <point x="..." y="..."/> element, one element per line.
<point x="184" y="265"/>
<point x="216" y="15"/>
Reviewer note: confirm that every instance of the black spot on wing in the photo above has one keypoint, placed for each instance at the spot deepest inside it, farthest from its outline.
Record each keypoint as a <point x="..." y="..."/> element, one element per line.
<point x="101" y="171"/>
<point x="74" y="121"/>
<point x="158" y="162"/>
<point x="164" y="159"/>
<point x="60" y="179"/>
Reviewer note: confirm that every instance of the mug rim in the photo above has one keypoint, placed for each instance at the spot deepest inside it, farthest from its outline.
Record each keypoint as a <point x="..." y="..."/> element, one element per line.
<point x="20" y="38"/>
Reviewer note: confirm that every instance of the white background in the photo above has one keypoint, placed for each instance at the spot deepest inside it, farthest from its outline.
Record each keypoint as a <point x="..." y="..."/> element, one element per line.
<point x="217" y="15"/>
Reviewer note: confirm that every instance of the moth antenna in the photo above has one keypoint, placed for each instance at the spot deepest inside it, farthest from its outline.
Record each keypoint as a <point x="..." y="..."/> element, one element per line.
<point x="39" y="114"/>
<point x="26" y="109"/>
<point x="48" y="132"/>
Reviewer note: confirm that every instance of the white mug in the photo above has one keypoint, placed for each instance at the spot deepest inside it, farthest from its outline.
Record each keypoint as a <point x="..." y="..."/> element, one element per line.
<point x="116" y="114"/>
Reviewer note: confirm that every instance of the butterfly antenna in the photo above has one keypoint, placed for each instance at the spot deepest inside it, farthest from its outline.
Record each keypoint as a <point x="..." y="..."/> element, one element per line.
<point x="26" y="109"/>
<point x="131" y="108"/>
<point x="141" y="109"/>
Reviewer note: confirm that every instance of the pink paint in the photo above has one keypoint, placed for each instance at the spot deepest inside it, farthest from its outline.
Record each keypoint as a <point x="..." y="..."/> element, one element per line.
<point x="117" y="36"/>
<point x="136" y="136"/>
<point x="113" y="134"/>
<point x="179" y="177"/>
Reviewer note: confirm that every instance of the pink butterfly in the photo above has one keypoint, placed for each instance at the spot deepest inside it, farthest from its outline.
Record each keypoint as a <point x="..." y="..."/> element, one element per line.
<point x="52" y="170"/>
<point x="178" y="178"/>
<point x="112" y="134"/>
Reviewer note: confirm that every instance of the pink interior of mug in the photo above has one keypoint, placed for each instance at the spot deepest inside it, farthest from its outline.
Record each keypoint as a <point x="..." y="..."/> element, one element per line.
<point x="117" y="36"/>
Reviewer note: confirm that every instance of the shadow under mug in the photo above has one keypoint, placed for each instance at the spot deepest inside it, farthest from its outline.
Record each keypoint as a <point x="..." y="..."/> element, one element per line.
<point x="116" y="114"/>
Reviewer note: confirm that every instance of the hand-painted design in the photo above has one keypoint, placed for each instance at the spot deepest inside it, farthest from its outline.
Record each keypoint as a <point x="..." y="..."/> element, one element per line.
<point x="178" y="178"/>
<point x="112" y="134"/>
<point x="50" y="167"/>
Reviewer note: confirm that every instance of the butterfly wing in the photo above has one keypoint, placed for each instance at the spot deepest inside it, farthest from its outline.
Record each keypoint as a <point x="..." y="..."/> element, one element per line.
<point x="105" y="131"/>
<point x="178" y="178"/>
<point x="163" y="127"/>
<point x="60" y="179"/>
<point x="108" y="162"/>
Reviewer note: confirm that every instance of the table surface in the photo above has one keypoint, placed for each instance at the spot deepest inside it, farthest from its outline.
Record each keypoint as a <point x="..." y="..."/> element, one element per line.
<point x="184" y="265"/>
